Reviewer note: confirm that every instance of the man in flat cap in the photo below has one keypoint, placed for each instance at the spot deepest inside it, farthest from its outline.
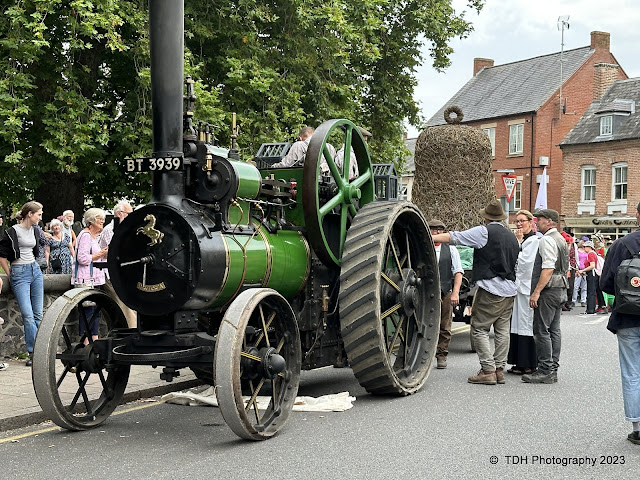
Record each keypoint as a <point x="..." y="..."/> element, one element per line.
<point x="548" y="292"/>
<point x="495" y="254"/>
<point x="451" y="271"/>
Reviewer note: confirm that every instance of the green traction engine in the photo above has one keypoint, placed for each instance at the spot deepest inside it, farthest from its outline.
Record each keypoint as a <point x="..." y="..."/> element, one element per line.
<point x="245" y="275"/>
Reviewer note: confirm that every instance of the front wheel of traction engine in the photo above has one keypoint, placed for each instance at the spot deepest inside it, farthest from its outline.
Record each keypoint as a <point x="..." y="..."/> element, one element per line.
<point x="258" y="346"/>
<point x="71" y="380"/>
<point x="390" y="298"/>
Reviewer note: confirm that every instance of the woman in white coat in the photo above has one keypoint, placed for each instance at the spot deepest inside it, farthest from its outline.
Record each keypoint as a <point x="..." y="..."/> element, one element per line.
<point x="522" y="349"/>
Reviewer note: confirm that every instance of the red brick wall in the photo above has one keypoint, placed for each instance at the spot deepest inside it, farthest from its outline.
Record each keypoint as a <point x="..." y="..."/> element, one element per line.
<point x="602" y="156"/>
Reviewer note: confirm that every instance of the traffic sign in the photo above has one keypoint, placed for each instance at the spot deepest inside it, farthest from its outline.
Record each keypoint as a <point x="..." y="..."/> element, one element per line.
<point x="509" y="182"/>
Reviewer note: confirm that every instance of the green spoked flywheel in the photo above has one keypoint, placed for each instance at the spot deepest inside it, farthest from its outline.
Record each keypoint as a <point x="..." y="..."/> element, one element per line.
<point x="331" y="195"/>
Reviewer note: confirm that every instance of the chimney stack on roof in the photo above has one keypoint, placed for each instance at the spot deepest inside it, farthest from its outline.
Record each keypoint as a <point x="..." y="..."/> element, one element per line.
<point x="604" y="74"/>
<point x="600" y="40"/>
<point x="480" y="63"/>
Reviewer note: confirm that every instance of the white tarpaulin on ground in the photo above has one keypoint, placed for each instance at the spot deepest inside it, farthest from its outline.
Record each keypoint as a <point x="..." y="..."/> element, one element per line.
<point x="205" y="396"/>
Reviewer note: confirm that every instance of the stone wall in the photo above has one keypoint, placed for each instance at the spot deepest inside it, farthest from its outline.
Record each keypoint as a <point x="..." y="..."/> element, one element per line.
<point x="11" y="332"/>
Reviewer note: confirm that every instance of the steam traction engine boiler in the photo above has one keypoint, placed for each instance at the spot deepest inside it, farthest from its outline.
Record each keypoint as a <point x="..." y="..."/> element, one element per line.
<point x="245" y="275"/>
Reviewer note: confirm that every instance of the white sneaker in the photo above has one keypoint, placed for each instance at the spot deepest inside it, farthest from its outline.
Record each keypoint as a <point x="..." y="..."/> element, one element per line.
<point x="1" y="320"/>
<point x="4" y="366"/>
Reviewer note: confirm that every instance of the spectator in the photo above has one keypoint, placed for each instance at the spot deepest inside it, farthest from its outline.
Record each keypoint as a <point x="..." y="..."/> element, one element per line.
<point x="67" y="225"/>
<point x="494" y="271"/>
<point x="573" y="268"/>
<point x="85" y="275"/>
<point x="589" y="272"/>
<point x="580" y="281"/>
<point x="627" y="328"/>
<point x="451" y="272"/>
<point x="60" y="251"/>
<point x="522" y="348"/>
<point x="120" y="212"/>
<point x="19" y="246"/>
<point x="549" y="292"/>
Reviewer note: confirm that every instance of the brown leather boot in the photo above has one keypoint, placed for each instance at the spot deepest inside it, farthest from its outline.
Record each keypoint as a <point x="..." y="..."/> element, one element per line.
<point x="500" y="375"/>
<point x="484" y="378"/>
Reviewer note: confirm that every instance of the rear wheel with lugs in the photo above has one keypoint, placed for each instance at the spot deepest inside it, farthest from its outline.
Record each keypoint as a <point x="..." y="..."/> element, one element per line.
<point x="390" y="298"/>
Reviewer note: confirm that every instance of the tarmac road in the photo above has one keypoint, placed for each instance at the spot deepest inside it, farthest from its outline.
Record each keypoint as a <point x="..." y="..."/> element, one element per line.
<point x="451" y="429"/>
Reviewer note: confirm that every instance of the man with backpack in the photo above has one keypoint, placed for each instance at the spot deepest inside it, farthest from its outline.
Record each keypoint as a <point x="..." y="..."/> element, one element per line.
<point x="621" y="276"/>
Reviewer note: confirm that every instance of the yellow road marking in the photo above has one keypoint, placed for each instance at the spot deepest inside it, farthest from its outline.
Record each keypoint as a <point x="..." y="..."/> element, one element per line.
<point x="462" y="329"/>
<point x="51" y="429"/>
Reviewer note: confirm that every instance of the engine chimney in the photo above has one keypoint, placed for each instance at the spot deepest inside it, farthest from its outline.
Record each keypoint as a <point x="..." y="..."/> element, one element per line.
<point x="166" y="43"/>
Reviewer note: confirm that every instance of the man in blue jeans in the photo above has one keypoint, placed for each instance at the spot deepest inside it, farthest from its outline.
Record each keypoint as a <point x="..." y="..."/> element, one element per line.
<point x="627" y="329"/>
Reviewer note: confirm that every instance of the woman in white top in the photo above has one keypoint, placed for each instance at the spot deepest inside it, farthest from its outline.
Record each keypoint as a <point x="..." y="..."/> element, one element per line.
<point x="522" y="349"/>
<point x="20" y="247"/>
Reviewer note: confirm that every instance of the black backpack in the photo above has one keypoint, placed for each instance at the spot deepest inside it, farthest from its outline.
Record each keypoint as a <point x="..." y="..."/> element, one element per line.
<point x="628" y="284"/>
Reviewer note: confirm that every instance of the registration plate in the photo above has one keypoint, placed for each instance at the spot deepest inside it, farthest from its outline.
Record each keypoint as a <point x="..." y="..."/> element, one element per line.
<point x="154" y="164"/>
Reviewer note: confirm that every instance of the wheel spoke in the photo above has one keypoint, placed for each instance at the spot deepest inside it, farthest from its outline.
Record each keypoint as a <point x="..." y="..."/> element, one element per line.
<point x="105" y="386"/>
<point x="252" y="400"/>
<point x="362" y="179"/>
<point x="343" y="230"/>
<point x="393" y="340"/>
<point x="346" y="163"/>
<point x="65" y="335"/>
<point x="62" y="376"/>
<point x="395" y="256"/>
<point x="81" y="391"/>
<point x="264" y="326"/>
<point x="332" y="203"/>
<point x="261" y="336"/>
<point x="409" y="265"/>
<point x="390" y="282"/>
<point x="393" y="309"/>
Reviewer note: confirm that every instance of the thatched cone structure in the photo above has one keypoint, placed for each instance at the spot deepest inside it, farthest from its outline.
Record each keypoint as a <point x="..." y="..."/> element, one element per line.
<point x="453" y="174"/>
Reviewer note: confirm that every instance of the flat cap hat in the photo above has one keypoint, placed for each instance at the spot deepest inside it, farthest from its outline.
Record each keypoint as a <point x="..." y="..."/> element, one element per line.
<point x="548" y="213"/>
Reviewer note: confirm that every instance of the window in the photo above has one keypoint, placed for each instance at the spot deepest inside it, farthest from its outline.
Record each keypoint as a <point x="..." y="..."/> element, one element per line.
<point x="517" y="197"/>
<point x="516" y="133"/>
<point x="588" y="183"/>
<point x="619" y="182"/>
<point x="606" y="125"/>
<point x="491" y="133"/>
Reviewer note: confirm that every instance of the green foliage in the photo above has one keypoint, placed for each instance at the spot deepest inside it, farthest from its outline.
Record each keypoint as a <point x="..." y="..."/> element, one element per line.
<point x="75" y="79"/>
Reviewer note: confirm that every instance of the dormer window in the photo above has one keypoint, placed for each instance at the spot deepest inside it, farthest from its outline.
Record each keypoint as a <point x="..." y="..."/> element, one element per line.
<point x="606" y="125"/>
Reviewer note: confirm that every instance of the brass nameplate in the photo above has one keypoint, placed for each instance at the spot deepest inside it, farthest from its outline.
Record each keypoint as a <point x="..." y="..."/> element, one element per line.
<point x="151" y="288"/>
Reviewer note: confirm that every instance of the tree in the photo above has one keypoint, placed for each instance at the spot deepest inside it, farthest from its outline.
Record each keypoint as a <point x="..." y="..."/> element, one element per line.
<point x="75" y="87"/>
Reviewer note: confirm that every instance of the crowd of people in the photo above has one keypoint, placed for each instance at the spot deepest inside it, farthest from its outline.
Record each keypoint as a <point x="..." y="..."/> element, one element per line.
<point x="525" y="280"/>
<point x="28" y="249"/>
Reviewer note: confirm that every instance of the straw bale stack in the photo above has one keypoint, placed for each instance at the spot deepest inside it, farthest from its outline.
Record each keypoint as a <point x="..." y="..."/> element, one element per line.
<point x="453" y="174"/>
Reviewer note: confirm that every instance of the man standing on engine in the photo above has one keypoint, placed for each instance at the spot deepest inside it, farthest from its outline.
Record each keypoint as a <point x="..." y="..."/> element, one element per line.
<point x="297" y="152"/>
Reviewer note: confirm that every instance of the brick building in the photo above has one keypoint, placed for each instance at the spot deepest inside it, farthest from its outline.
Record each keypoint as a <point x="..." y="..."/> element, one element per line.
<point x="601" y="157"/>
<point x="518" y="105"/>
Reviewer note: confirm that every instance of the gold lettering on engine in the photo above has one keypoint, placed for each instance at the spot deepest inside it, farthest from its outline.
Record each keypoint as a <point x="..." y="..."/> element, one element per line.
<point x="151" y="288"/>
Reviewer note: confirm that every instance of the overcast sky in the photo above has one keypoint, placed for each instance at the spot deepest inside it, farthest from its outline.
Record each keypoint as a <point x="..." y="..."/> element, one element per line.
<point x="511" y="30"/>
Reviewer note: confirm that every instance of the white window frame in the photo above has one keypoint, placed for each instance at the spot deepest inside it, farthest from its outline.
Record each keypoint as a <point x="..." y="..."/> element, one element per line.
<point x="516" y="137"/>
<point x="517" y="196"/>
<point x="606" y="126"/>
<point x="491" y="133"/>
<point x="588" y="183"/>
<point x="620" y="181"/>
